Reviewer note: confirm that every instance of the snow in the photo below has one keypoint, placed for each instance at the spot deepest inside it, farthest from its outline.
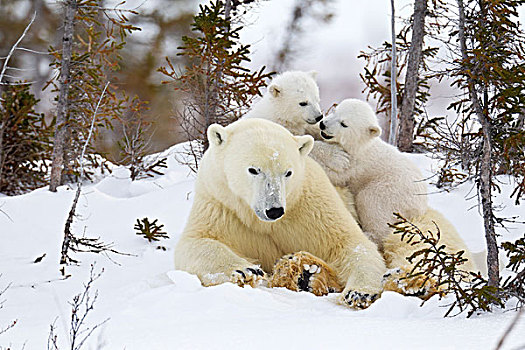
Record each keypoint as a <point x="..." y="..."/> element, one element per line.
<point x="152" y="306"/>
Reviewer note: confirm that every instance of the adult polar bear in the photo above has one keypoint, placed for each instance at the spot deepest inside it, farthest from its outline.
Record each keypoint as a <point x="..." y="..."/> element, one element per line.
<point x="383" y="181"/>
<point x="258" y="196"/>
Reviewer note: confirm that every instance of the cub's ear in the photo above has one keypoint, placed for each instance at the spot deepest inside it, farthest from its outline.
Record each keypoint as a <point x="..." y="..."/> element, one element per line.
<point x="217" y="134"/>
<point x="306" y="143"/>
<point x="274" y="90"/>
<point x="374" y="131"/>
<point x="313" y="74"/>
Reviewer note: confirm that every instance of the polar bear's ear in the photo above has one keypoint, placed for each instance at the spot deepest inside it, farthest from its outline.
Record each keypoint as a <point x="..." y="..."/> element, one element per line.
<point x="313" y="74"/>
<point x="274" y="90"/>
<point x="306" y="143"/>
<point x="216" y="134"/>
<point x="374" y="131"/>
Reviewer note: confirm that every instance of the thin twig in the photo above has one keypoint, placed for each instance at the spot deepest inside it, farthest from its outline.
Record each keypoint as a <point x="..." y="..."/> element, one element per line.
<point x="509" y="329"/>
<point x="3" y="212"/>
<point x="13" y="48"/>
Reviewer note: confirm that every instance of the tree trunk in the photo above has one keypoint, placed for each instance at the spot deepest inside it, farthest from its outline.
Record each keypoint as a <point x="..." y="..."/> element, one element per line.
<point x="415" y="56"/>
<point x="2" y="127"/>
<point x="61" y="130"/>
<point x="485" y="169"/>
<point x="392" y="137"/>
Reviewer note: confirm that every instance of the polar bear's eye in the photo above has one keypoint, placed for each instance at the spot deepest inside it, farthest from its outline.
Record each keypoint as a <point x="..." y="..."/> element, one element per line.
<point x="344" y="125"/>
<point x="253" y="171"/>
<point x="302" y="104"/>
<point x="288" y="173"/>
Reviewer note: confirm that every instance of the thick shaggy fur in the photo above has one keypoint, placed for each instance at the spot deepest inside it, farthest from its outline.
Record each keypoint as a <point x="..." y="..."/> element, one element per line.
<point x="292" y="100"/>
<point x="383" y="181"/>
<point x="228" y="231"/>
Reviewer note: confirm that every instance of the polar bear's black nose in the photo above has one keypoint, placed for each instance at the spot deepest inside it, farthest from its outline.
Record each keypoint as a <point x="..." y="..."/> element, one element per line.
<point x="274" y="213"/>
<point x="319" y="118"/>
<point x="322" y="126"/>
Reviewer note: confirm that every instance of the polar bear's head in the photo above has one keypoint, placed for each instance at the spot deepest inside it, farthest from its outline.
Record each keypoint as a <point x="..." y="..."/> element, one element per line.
<point x="295" y="95"/>
<point x="262" y="164"/>
<point x="352" y="124"/>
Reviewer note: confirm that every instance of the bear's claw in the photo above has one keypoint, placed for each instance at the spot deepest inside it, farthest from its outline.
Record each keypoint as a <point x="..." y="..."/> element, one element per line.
<point x="305" y="279"/>
<point x="358" y="300"/>
<point x="399" y="280"/>
<point x="252" y="276"/>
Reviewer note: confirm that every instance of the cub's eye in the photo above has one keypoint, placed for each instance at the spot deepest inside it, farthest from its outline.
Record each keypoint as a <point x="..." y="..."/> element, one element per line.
<point x="344" y="125"/>
<point x="302" y="104"/>
<point x="288" y="173"/>
<point x="253" y="171"/>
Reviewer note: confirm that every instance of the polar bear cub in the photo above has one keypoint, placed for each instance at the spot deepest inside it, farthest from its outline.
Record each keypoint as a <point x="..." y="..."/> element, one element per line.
<point x="292" y="100"/>
<point x="258" y="196"/>
<point x="383" y="181"/>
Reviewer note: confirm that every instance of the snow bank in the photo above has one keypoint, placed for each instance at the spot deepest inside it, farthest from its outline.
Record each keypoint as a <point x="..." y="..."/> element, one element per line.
<point x="151" y="306"/>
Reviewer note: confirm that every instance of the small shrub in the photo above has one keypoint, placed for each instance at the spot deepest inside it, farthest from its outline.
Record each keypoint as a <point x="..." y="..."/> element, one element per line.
<point x="150" y="230"/>
<point x="471" y="290"/>
<point x="25" y="142"/>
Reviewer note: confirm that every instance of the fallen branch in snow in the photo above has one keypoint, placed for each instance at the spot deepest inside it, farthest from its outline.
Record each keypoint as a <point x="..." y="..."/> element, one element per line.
<point x="36" y="284"/>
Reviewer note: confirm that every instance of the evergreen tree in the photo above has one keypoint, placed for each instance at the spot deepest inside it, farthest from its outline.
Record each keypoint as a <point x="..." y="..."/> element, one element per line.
<point x="93" y="37"/>
<point x="219" y="88"/>
<point x="491" y="71"/>
<point x="25" y="141"/>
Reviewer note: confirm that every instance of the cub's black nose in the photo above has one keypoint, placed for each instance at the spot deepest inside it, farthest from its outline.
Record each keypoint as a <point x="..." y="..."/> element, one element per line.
<point x="322" y="126"/>
<point x="274" y="213"/>
<point x="319" y="118"/>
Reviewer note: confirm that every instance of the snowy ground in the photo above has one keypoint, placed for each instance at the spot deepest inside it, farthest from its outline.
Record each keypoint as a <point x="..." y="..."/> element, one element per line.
<point x="151" y="306"/>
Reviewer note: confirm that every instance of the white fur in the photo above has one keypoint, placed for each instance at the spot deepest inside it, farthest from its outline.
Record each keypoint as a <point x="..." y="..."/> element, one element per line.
<point x="282" y="102"/>
<point x="227" y="228"/>
<point x="383" y="180"/>
<point x="281" y="105"/>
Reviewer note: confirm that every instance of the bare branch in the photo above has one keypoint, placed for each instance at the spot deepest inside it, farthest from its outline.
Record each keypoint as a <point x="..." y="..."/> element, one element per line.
<point x="13" y="323"/>
<point x="509" y="329"/>
<point x="14" y="47"/>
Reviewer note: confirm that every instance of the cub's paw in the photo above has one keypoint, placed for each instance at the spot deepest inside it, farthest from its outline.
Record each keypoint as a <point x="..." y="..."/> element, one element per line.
<point x="303" y="271"/>
<point x="252" y="276"/>
<point x="358" y="300"/>
<point x="400" y="280"/>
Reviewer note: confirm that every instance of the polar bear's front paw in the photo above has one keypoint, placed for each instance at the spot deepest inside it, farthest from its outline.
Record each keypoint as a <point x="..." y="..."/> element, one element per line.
<point x="400" y="281"/>
<point x="303" y="271"/>
<point x="251" y="276"/>
<point x="359" y="300"/>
